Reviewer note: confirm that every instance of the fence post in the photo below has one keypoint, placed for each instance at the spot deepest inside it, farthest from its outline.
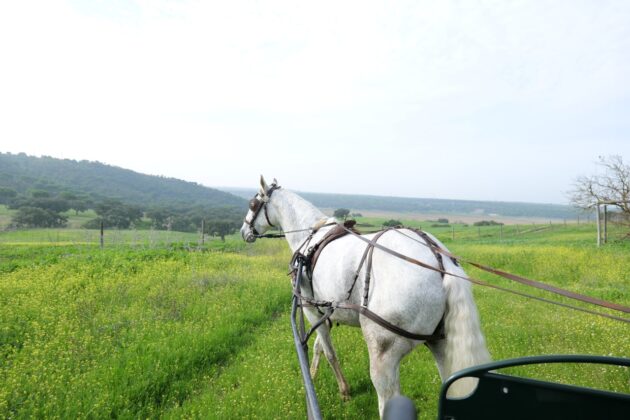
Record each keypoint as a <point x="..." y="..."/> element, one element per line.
<point x="102" y="239"/>
<point x="599" y="237"/>
<point x="453" y="231"/>
<point x="605" y="223"/>
<point x="203" y="231"/>
<point x="501" y="233"/>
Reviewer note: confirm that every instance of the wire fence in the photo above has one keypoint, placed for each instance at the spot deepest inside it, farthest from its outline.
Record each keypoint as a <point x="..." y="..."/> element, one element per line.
<point x="110" y="237"/>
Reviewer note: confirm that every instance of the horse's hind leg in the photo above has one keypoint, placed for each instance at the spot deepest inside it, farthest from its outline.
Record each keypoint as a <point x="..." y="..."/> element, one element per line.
<point x="323" y="336"/>
<point x="386" y="351"/>
<point x="438" y="348"/>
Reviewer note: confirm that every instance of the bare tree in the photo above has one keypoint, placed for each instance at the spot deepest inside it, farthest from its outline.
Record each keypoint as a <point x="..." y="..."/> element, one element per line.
<point x="611" y="187"/>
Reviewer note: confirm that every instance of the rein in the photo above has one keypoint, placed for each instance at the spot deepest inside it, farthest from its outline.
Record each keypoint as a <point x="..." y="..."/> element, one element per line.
<point x="509" y="276"/>
<point x="519" y="279"/>
<point x="283" y="234"/>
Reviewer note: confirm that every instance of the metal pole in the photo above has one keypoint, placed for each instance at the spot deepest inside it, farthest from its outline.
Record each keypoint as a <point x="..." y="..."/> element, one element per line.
<point x="312" y="404"/>
<point x="605" y="223"/>
<point x="599" y="237"/>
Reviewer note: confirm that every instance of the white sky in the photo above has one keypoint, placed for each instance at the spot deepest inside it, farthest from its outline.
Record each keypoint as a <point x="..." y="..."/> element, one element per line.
<point x="490" y="100"/>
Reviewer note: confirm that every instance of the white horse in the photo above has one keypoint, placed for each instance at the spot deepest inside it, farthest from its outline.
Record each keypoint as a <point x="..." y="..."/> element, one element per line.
<point x="412" y="297"/>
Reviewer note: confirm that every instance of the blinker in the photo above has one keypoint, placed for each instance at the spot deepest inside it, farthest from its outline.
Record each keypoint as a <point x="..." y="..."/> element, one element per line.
<point x="254" y="204"/>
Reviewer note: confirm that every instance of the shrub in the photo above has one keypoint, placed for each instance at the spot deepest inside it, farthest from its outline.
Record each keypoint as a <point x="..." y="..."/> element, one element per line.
<point x="487" y="223"/>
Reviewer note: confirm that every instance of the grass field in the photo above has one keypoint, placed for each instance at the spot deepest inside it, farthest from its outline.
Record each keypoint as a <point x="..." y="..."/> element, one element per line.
<point x="161" y="328"/>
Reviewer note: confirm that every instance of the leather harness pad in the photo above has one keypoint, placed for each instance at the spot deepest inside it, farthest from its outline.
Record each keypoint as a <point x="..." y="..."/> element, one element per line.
<point x="338" y="231"/>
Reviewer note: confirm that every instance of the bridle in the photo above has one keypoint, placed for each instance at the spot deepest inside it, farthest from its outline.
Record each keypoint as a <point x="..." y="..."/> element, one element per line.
<point x="257" y="205"/>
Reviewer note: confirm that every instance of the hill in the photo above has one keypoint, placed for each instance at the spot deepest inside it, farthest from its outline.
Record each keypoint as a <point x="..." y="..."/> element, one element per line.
<point x="22" y="173"/>
<point x="429" y="205"/>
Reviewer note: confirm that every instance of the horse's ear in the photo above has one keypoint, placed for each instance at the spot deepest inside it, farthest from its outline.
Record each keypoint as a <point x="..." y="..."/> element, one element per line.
<point x="263" y="185"/>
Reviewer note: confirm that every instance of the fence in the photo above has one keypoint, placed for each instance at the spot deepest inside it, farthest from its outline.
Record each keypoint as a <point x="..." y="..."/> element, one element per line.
<point x="516" y="232"/>
<point x="106" y="238"/>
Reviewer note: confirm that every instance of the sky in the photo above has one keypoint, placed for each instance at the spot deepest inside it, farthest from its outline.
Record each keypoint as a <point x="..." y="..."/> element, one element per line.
<point x="476" y="100"/>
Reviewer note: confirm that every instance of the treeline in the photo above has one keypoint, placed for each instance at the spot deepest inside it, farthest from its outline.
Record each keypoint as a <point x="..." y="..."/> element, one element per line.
<point x="43" y="191"/>
<point x="22" y="173"/>
<point x="41" y="209"/>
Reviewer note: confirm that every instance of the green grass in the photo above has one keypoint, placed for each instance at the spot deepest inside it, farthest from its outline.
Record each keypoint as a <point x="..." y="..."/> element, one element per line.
<point x="153" y="329"/>
<point x="112" y="237"/>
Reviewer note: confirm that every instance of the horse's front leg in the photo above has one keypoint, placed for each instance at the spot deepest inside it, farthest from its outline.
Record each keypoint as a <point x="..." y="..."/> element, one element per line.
<point x="324" y="342"/>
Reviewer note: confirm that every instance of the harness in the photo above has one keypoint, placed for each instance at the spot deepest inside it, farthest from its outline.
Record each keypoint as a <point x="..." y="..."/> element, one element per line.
<point x="305" y="258"/>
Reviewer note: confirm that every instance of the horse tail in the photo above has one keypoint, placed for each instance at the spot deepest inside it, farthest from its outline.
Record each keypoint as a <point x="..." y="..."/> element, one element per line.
<point x="464" y="345"/>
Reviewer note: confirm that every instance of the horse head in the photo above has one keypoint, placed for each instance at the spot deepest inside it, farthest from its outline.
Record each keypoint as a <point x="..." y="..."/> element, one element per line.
<point x="253" y="225"/>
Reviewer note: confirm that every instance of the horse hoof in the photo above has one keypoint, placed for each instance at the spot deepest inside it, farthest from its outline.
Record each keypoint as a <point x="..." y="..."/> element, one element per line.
<point x="345" y="393"/>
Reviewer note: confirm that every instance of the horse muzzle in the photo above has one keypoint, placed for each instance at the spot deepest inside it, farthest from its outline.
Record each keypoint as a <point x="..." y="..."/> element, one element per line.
<point x="247" y="234"/>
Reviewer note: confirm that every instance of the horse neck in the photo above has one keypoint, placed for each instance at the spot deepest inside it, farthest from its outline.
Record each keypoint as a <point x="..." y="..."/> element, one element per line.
<point x="294" y="213"/>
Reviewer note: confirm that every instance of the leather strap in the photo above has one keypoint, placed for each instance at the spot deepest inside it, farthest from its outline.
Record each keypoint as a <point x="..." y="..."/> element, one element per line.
<point x="437" y="335"/>
<point x="336" y="232"/>
<point x="514" y="277"/>
<point x="530" y="282"/>
<point x="368" y="268"/>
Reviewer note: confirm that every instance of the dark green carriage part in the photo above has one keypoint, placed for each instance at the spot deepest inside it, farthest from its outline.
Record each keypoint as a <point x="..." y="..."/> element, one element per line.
<point x="501" y="396"/>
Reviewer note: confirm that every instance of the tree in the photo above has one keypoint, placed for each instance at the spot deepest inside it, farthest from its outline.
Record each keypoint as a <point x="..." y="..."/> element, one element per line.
<point x="39" y="194"/>
<point x="392" y="223"/>
<point x="54" y="204"/>
<point x="6" y="195"/>
<point x="38" y="217"/>
<point x="221" y="228"/>
<point x="611" y="186"/>
<point x="341" y="213"/>
<point x="79" y="205"/>
<point x="114" y="213"/>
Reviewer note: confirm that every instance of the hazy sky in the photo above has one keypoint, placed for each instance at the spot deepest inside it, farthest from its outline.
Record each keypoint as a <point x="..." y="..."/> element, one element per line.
<point x="492" y="100"/>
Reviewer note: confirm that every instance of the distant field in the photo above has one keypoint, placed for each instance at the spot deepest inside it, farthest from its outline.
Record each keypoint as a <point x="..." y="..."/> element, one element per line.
<point x="430" y="206"/>
<point x="159" y="328"/>
<point x="531" y="233"/>
<point x="463" y="217"/>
